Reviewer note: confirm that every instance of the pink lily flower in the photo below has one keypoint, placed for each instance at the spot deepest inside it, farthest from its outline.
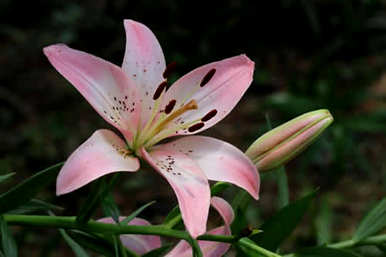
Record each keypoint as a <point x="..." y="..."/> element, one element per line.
<point x="141" y="244"/>
<point x="135" y="99"/>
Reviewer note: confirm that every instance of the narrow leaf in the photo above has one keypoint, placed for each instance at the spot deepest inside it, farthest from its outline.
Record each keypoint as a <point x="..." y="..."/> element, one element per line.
<point x="373" y="222"/>
<point x="239" y="205"/>
<point x="250" y="249"/>
<point x="282" y="183"/>
<point x="110" y="208"/>
<point x="280" y="226"/>
<point x="35" y="205"/>
<point x="7" y="241"/>
<point x="6" y="176"/>
<point x="26" y="190"/>
<point x="324" y="252"/>
<point x="94" y="243"/>
<point x="98" y="191"/>
<point x="78" y="250"/>
<point x="323" y="223"/>
<point x="136" y="213"/>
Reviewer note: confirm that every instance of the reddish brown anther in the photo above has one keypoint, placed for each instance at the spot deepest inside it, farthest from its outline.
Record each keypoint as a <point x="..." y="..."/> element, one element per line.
<point x="169" y="107"/>
<point x="209" y="115"/>
<point x="207" y="77"/>
<point x="159" y="90"/>
<point x="169" y="69"/>
<point x="196" y="127"/>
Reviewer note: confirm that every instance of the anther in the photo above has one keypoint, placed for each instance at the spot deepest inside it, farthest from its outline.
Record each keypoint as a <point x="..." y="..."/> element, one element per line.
<point x="207" y="77"/>
<point x="209" y="115"/>
<point x="169" y="107"/>
<point x="169" y="69"/>
<point x="159" y="90"/>
<point x="196" y="127"/>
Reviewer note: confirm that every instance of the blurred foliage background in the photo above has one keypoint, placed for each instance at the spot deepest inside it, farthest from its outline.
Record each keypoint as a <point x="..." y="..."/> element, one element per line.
<point x="309" y="54"/>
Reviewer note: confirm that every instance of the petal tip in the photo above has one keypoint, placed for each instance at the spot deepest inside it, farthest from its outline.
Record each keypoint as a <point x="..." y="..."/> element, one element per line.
<point x="54" y="49"/>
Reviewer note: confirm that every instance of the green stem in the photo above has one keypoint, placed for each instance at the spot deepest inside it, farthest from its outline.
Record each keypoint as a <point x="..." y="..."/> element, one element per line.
<point x="247" y="243"/>
<point x="91" y="226"/>
<point x="218" y="238"/>
<point x="372" y="240"/>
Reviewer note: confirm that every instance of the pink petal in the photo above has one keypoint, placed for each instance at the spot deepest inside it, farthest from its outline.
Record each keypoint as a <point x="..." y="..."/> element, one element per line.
<point x="144" y="62"/>
<point x="140" y="244"/>
<point x="104" y="85"/>
<point x="103" y="153"/>
<point x="219" y="161"/>
<point x="188" y="182"/>
<point x="223" y="91"/>
<point x="209" y="248"/>
<point x="224" y="209"/>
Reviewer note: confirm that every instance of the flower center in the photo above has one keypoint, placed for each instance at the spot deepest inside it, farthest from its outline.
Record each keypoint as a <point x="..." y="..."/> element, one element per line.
<point x="166" y="122"/>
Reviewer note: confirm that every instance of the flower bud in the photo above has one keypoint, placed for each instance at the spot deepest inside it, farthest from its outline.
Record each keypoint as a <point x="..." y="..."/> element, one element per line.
<point x="283" y="143"/>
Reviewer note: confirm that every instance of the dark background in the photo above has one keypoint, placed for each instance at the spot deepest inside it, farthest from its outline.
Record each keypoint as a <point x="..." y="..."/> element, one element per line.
<point x="309" y="54"/>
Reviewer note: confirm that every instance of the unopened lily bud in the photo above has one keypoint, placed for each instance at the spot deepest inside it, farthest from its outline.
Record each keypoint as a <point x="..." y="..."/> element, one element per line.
<point x="283" y="143"/>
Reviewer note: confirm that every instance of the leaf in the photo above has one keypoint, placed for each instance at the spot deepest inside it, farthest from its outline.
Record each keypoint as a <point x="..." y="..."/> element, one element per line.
<point x="7" y="241"/>
<point x="110" y="208"/>
<point x="282" y="183"/>
<point x="35" y="205"/>
<point x="94" y="243"/>
<point x="172" y="214"/>
<point x="373" y="222"/>
<point x="323" y="223"/>
<point x="239" y="205"/>
<point x="78" y="250"/>
<point x="6" y="176"/>
<point x="26" y="190"/>
<point x="99" y="190"/>
<point x="324" y="252"/>
<point x="280" y="226"/>
<point x="136" y="213"/>
<point x="250" y="249"/>
<point x="159" y="251"/>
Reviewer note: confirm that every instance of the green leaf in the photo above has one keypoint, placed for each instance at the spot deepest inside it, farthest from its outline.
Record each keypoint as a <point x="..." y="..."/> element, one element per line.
<point x="282" y="183"/>
<point x="323" y="223"/>
<point x="6" y="176"/>
<point x="239" y="205"/>
<point x="159" y="251"/>
<point x="373" y="222"/>
<point x="2" y="254"/>
<point x="7" y="242"/>
<point x="324" y="252"/>
<point x="110" y="208"/>
<point x="26" y="190"/>
<point x="98" y="191"/>
<point x="218" y="188"/>
<point x="94" y="243"/>
<point x="78" y="250"/>
<point x="280" y="226"/>
<point x="136" y="213"/>
<point x="250" y="249"/>
<point x="35" y="205"/>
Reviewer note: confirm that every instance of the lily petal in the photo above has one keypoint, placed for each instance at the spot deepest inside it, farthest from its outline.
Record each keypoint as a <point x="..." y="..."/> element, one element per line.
<point x="103" y="153"/>
<point x="104" y="85"/>
<point x="144" y="62"/>
<point x="188" y="182"/>
<point x="221" y="93"/>
<point x="209" y="248"/>
<point x="219" y="161"/>
<point x="140" y="244"/>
